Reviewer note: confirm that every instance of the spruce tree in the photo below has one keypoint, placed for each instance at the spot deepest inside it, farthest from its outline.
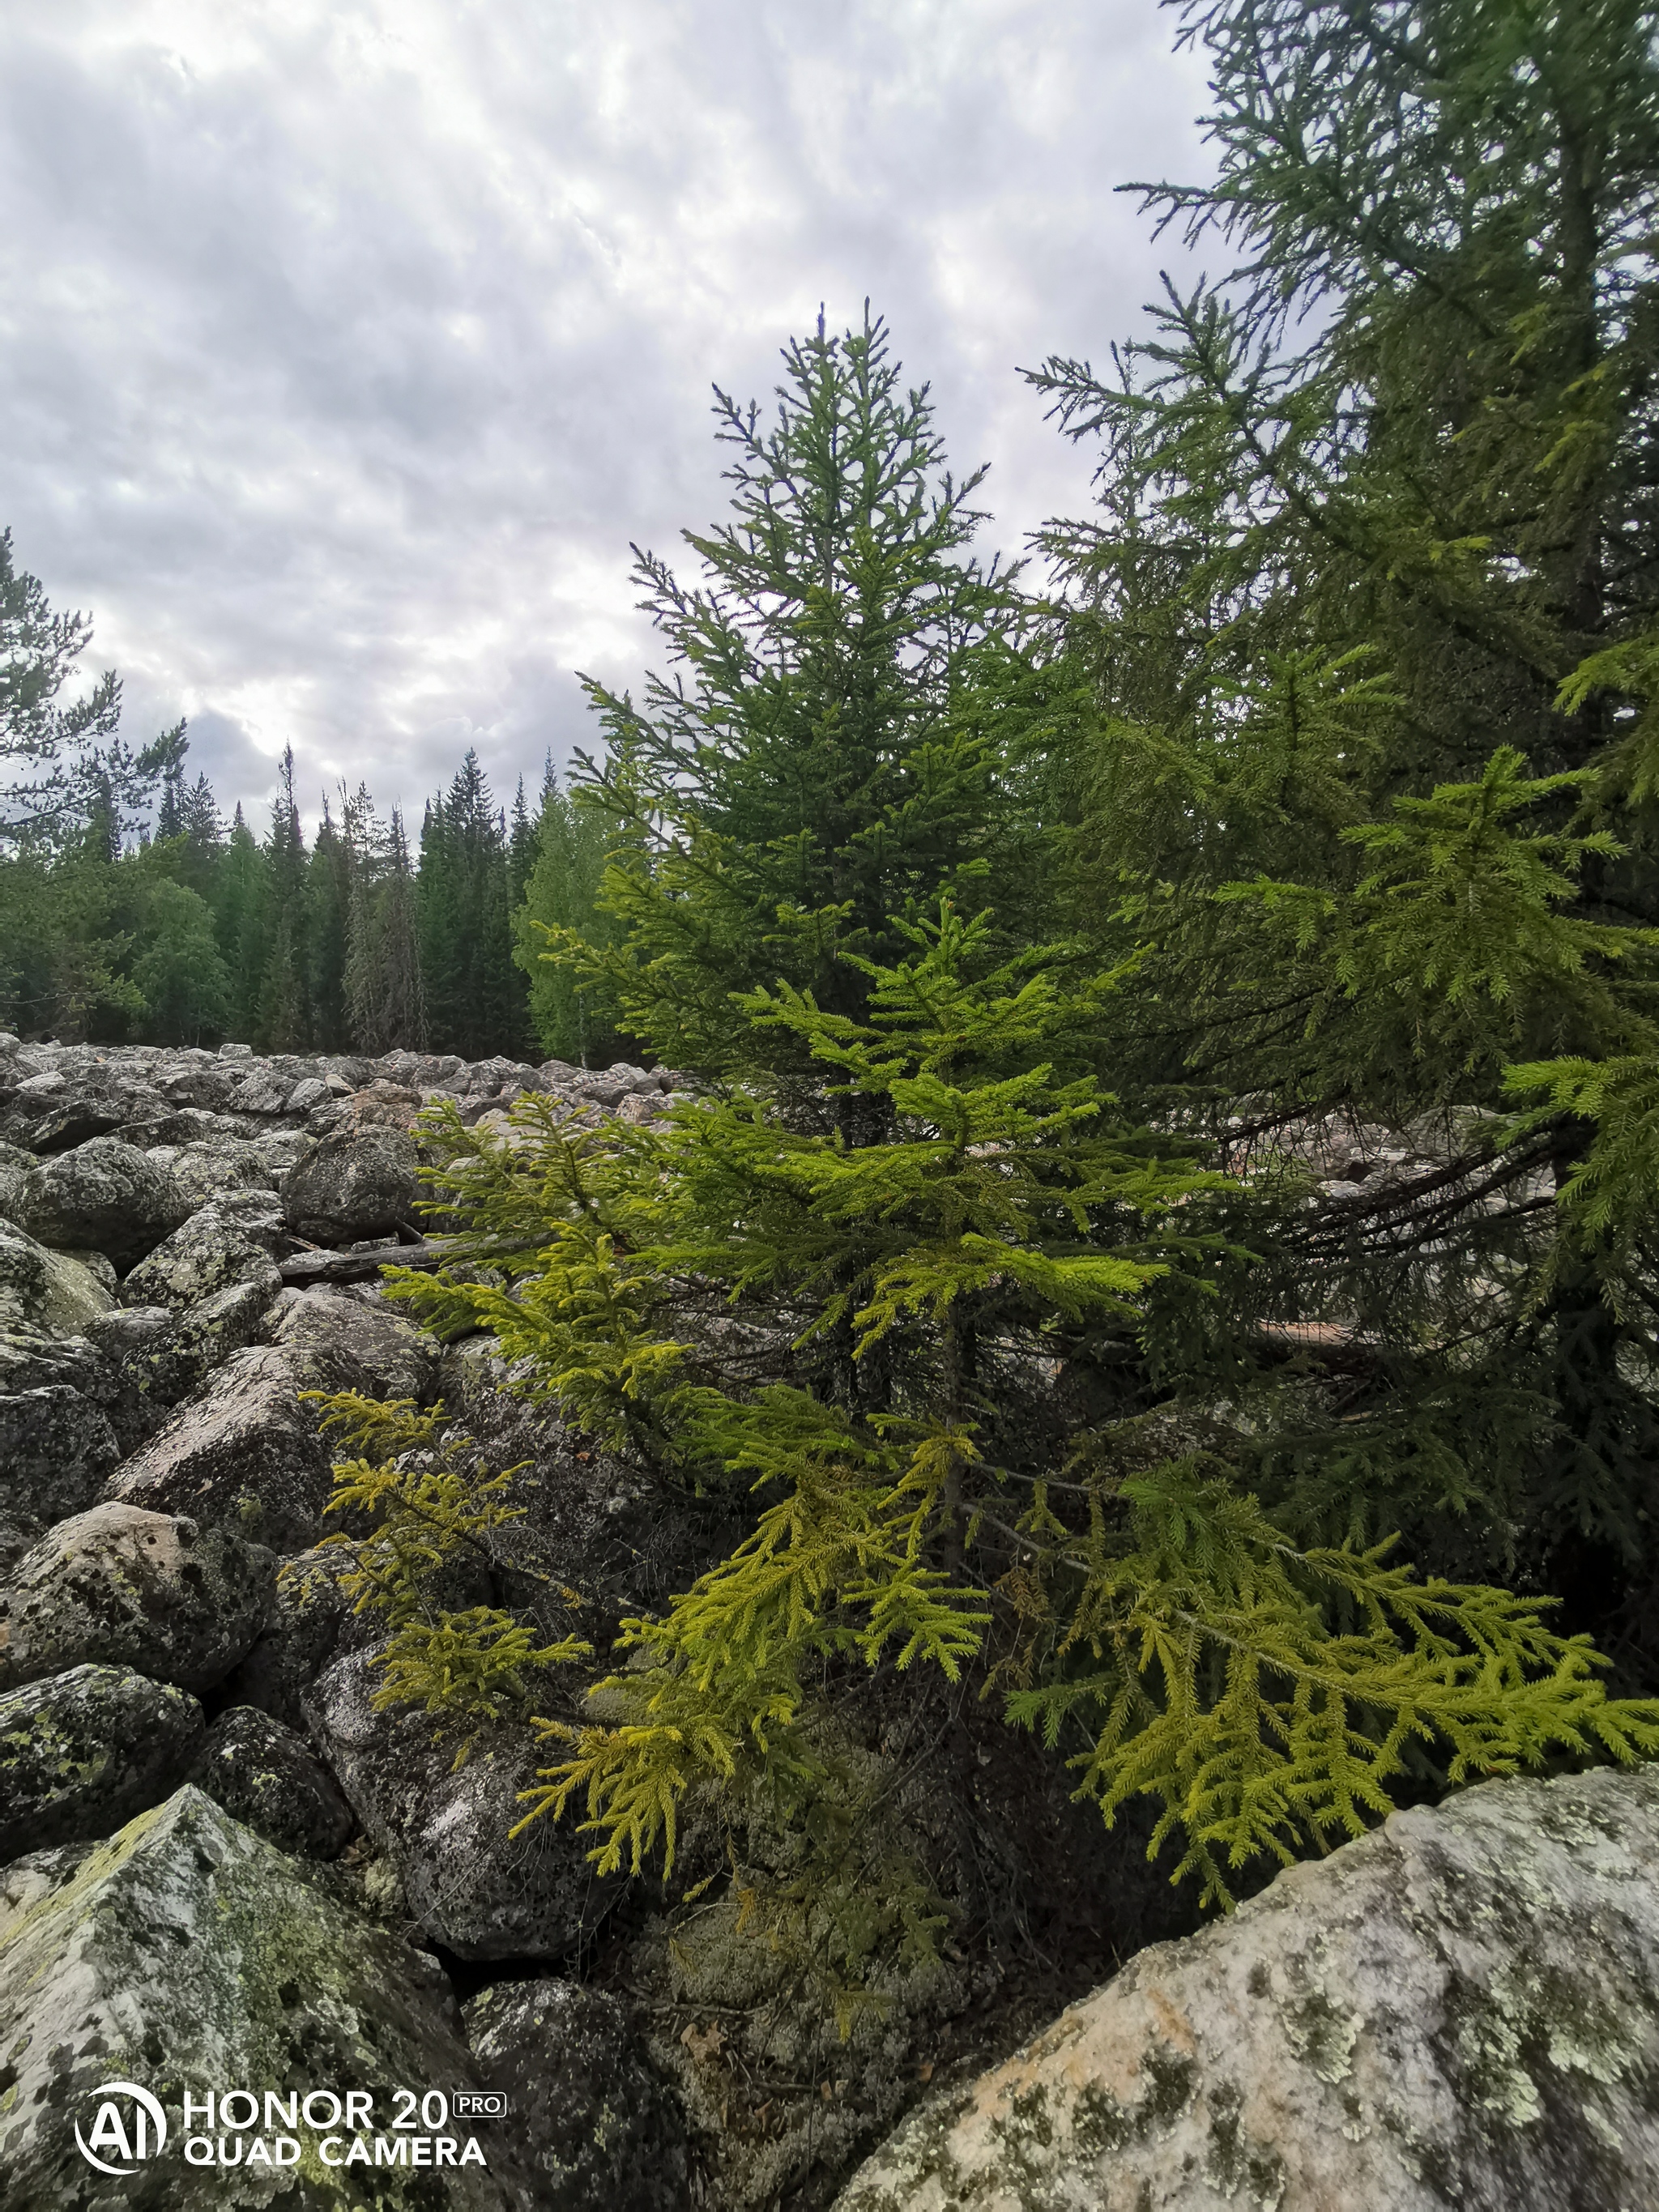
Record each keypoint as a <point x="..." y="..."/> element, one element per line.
<point x="283" y="1011"/>
<point x="814" y="767"/>
<point x="1365" y="610"/>
<point x="574" y="1017"/>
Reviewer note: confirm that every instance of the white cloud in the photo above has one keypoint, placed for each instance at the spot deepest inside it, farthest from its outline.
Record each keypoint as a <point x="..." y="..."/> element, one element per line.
<point x="344" y="349"/>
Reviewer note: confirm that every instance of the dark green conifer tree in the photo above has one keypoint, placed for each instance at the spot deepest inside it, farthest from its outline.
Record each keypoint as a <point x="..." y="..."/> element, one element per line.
<point x="816" y="766"/>
<point x="283" y="1009"/>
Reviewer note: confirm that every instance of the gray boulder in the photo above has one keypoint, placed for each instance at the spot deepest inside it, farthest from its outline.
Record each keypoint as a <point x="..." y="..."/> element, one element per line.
<point x="207" y="1169"/>
<point x="312" y="1622"/>
<point x="595" y="2127"/>
<point x="1461" y="2009"/>
<point x="472" y="1889"/>
<point x="228" y="1241"/>
<point x="127" y="1588"/>
<point x="81" y="1753"/>
<point x="55" y="1294"/>
<point x="103" y="1193"/>
<point x="248" y="1452"/>
<point x="15" y="1165"/>
<point x="189" y="1955"/>
<point x="56" y="1451"/>
<point x="268" y="1778"/>
<point x="28" y="1362"/>
<point x="350" y="1184"/>
<point x="395" y="1359"/>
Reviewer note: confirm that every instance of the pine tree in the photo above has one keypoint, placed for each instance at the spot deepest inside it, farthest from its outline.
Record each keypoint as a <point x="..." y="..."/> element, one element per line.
<point x="475" y="996"/>
<point x="384" y="993"/>
<point x="1270" y="1694"/>
<point x="284" y="1010"/>
<point x="575" y="1018"/>
<point x="241" y="901"/>
<point x="1365" y="609"/>
<point x="330" y="884"/>
<point x="815" y="768"/>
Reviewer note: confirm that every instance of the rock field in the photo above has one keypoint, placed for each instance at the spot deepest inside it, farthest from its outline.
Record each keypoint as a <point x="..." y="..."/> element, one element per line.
<point x="219" y="1865"/>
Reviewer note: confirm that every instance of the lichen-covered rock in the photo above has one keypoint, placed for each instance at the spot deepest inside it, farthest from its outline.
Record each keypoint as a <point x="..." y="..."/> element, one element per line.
<point x="595" y="2128"/>
<point x="247" y="1452"/>
<point x="266" y="1775"/>
<point x="56" y="1451"/>
<point x="127" y="1588"/>
<point x="103" y="1193"/>
<point x="229" y="1241"/>
<point x="1461" y="2009"/>
<point x="353" y="1183"/>
<point x="82" y="1752"/>
<point x="188" y="1954"/>
<point x="478" y="1893"/>
<point x="53" y="1292"/>
<point x="214" y="1166"/>
<point x="28" y="1362"/>
<point x="395" y="1360"/>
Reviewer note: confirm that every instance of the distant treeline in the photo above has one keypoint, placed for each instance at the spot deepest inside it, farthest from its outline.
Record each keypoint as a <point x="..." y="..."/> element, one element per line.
<point x="131" y="911"/>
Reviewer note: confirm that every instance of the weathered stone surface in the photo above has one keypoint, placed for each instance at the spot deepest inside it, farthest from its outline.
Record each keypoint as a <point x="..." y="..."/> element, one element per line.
<point x="247" y="1452"/>
<point x="53" y="1292"/>
<point x="55" y="1452"/>
<point x="188" y="1954"/>
<point x="81" y="1753"/>
<point x="471" y="1890"/>
<point x="223" y="1243"/>
<point x="265" y="1775"/>
<point x="126" y="1588"/>
<point x="595" y="2128"/>
<point x="28" y="1362"/>
<point x="209" y="1169"/>
<point x="397" y="1359"/>
<point x="354" y="1182"/>
<point x="15" y="1165"/>
<point x="1460" y="2009"/>
<point x="103" y="1193"/>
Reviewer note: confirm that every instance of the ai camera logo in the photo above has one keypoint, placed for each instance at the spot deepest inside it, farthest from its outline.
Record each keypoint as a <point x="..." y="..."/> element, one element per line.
<point x="131" y="2131"/>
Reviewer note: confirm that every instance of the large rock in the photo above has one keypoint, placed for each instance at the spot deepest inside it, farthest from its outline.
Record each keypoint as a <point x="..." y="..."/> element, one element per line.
<point x="52" y="1293"/>
<point x="227" y="1242"/>
<point x="395" y="1360"/>
<point x="56" y="1451"/>
<point x="595" y="2127"/>
<point x="28" y="1362"/>
<point x="248" y="1452"/>
<point x="1461" y="2009"/>
<point x="188" y="1955"/>
<point x="105" y="1195"/>
<point x="81" y="1753"/>
<point x="474" y="1891"/>
<point x="266" y="1775"/>
<point x="214" y="1166"/>
<point x="127" y="1588"/>
<point x="310" y="1623"/>
<point x="351" y="1184"/>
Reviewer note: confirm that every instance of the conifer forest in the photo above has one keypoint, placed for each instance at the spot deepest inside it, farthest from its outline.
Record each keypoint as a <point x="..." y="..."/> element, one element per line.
<point x="1155" y="1231"/>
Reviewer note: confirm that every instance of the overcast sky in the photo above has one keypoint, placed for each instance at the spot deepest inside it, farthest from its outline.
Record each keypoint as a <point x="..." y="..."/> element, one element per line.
<point x="347" y="346"/>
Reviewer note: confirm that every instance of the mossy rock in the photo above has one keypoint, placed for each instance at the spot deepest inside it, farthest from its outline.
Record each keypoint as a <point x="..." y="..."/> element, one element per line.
<point x="188" y="1955"/>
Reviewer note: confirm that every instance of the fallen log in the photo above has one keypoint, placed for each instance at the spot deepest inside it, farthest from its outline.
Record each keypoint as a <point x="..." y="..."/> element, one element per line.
<point x="307" y="1268"/>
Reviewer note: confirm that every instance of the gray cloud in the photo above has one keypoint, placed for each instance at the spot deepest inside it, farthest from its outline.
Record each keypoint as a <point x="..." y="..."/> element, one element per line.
<point x="344" y="347"/>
